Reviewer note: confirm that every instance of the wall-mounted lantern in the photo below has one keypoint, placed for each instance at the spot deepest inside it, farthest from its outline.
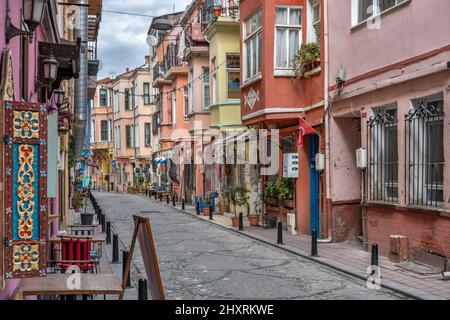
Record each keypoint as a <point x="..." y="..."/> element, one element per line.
<point x="33" y="12"/>
<point x="50" y="65"/>
<point x="59" y="97"/>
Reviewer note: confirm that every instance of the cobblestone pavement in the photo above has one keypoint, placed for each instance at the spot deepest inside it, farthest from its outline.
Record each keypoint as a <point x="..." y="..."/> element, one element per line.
<point x="201" y="261"/>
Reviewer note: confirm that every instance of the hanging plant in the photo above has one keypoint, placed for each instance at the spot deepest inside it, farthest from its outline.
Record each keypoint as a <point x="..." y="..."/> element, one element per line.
<point x="306" y="59"/>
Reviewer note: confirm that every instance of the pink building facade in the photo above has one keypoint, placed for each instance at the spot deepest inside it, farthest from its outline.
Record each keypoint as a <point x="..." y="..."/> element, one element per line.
<point x="388" y="84"/>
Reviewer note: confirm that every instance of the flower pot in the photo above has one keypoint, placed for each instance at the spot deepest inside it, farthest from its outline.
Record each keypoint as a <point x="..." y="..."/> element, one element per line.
<point x="206" y="211"/>
<point x="273" y="202"/>
<point x="224" y="209"/>
<point x="87" y="219"/>
<point x="254" y="220"/>
<point x="217" y="12"/>
<point x="235" y="222"/>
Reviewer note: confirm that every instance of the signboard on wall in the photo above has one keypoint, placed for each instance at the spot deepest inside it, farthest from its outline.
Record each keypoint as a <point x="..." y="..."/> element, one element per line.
<point x="290" y="165"/>
<point x="25" y="172"/>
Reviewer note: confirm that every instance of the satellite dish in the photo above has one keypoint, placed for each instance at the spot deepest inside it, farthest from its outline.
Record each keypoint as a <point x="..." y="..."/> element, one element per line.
<point x="152" y="41"/>
<point x="112" y="75"/>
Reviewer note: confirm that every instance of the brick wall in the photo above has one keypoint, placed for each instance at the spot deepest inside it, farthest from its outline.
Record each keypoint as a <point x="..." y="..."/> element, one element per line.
<point x="425" y="230"/>
<point x="345" y="221"/>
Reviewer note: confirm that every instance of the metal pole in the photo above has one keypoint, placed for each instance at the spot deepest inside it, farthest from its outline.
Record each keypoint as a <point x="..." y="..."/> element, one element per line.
<point x="115" y="249"/>
<point x="108" y="232"/>
<point x="280" y="232"/>
<point x="103" y="222"/>
<point x="142" y="291"/>
<point x="173" y="200"/>
<point x="197" y="208"/>
<point x="241" y="221"/>
<point x="374" y="259"/>
<point x="125" y="255"/>
<point x="314" y="243"/>
<point x="183" y="204"/>
<point x="211" y="214"/>
<point x="167" y="199"/>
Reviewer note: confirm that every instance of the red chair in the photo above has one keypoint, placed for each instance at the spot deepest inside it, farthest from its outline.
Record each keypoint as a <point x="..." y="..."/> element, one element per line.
<point x="76" y="252"/>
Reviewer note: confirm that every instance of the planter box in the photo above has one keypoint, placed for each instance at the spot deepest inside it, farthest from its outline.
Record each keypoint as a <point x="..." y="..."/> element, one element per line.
<point x="87" y="219"/>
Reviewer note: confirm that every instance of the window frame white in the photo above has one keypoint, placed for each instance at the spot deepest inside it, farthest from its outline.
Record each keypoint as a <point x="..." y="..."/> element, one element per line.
<point x="287" y="71"/>
<point x="356" y="11"/>
<point x="206" y="88"/>
<point x="247" y="41"/>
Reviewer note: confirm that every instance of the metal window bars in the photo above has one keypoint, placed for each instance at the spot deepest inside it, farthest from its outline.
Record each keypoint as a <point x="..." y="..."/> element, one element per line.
<point x="425" y="151"/>
<point x="383" y="156"/>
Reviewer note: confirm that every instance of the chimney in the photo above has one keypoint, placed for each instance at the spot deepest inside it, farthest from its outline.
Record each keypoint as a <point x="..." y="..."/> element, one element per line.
<point x="127" y="70"/>
<point x="147" y="60"/>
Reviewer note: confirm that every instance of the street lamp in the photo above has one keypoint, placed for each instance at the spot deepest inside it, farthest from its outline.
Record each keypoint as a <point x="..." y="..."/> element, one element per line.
<point x="33" y="12"/>
<point x="50" y="65"/>
<point x="59" y="97"/>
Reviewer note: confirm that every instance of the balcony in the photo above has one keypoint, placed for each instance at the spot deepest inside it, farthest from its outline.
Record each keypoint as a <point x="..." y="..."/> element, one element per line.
<point x="223" y="8"/>
<point x="172" y="62"/>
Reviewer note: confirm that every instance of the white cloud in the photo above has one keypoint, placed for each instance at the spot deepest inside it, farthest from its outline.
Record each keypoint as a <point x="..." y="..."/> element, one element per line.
<point x="122" y="38"/>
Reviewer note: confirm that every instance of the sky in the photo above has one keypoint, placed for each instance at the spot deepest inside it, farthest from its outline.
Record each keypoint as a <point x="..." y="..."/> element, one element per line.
<point x="122" y="38"/>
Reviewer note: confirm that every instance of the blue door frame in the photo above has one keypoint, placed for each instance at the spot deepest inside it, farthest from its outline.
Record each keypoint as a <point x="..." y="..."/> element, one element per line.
<point x="314" y="182"/>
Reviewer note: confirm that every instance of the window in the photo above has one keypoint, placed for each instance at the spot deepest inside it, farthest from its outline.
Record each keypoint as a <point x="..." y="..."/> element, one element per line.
<point x="103" y="97"/>
<point x="103" y="130"/>
<point x="127" y="99"/>
<point x="93" y="131"/>
<point x="155" y="119"/>
<point x="383" y="166"/>
<point x="313" y="21"/>
<point x="146" y="94"/>
<point x="288" y="35"/>
<point x="214" y="82"/>
<point x="364" y="9"/>
<point x="185" y="102"/>
<point x="190" y="88"/>
<point x="206" y="94"/>
<point x="425" y="124"/>
<point x="174" y="107"/>
<point x="234" y="76"/>
<point x="116" y="102"/>
<point x="110" y="133"/>
<point x="148" y="134"/>
<point x="117" y="137"/>
<point x="128" y="136"/>
<point x="253" y="46"/>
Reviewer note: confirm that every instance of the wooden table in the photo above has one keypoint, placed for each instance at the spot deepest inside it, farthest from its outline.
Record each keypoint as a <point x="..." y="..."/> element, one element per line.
<point x="93" y="239"/>
<point x="61" y="285"/>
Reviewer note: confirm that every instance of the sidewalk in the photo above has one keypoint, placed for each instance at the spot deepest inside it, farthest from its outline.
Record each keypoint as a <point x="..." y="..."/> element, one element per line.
<point x="346" y="257"/>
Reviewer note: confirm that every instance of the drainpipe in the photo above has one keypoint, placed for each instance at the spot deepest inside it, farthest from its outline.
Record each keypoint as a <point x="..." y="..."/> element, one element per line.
<point x="327" y="120"/>
<point x="81" y="102"/>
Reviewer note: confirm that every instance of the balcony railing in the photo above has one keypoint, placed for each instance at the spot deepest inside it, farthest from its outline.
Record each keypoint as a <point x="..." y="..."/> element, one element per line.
<point x="171" y="58"/>
<point x="220" y="8"/>
<point x="194" y="36"/>
<point x="157" y="71"/>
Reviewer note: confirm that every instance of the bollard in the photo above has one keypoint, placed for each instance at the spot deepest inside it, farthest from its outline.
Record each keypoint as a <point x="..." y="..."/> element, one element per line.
<point x="280" y="232"/>
<point x="156" y="196"/>
<point x="197" y="208"/>
<point x="167" y="199"/>
<point x="183" y="204"/>
<point x="211" y="214"/>
<point x="103" y="222"/>
<point x="314" y="243"/>
<point x="142" y="291"/>
<point x="115" y="249"/>
<point x="173" y="200"/>
<point x="374" y="255"/>
<point x="125" y="255"/>
<point x="160" y="197"/>
<point x="108" y="232"/>
<point x="241" y="221"/>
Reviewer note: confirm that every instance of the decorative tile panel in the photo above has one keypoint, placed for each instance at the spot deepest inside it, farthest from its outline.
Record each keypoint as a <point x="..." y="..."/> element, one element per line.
<point x="25" y="161"/>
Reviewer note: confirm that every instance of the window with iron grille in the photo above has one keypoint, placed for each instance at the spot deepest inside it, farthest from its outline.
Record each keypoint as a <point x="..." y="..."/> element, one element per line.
<point x="383" y="149"/>
<point x="127" y="99"/>
<point x="155" y="120"/>
<point x="425" y="126"/>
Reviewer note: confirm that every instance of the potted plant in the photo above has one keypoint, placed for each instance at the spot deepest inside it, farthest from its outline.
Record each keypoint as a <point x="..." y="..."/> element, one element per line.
<point x="217" y="11"/>
<point x="306" y="59"/>
<point x="285" y="192"/>
<point x="271" y="194"/>
<point x="238" y="196"/>
<point x="77" y="202"/>
<point x="224" y="202"/>
<point x="207" y="204"/>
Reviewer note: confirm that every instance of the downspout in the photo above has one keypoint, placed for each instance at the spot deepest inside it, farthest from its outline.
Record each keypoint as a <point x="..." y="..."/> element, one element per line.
<point x="80" y="110"/>
<point x="327" y="122"/>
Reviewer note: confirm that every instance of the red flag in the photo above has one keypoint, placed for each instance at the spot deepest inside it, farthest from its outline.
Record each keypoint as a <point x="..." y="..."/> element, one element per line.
<point x="304" y="130"/>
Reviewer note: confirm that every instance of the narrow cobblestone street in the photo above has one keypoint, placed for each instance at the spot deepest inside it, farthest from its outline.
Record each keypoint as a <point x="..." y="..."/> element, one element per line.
<point x="201" y="261"/>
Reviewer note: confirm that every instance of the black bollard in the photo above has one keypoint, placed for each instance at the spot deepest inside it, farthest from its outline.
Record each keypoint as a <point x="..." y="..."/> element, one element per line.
<point x="211" y="214"/>
<point x="197" y="208"/>
<point x="173" y="200"/>
<point x="183" y="204"/>
<point x="142" y="290"/>
<point x="160" y="197"/>
<point x="374" y="255"/>
<point x="108" y="232"/>
<point x="241" y="221"/>
<point x="125" y="255"/>
<point x="314" y="243"/>
<point x="103" y="222"/>
<point x="115" y="249"/>
<point x="280" y="232"/>
<point x="167" y="199"/>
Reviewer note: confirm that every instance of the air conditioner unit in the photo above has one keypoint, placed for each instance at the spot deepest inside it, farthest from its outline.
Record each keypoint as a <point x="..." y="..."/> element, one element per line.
<point x="291" y="224"/>
<point x="361" y="158"/>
